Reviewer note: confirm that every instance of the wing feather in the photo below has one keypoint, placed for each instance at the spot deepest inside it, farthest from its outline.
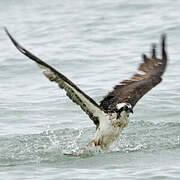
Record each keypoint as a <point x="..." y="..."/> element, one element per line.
<point x="130" y="91"/>
<point x="87" y="104"/>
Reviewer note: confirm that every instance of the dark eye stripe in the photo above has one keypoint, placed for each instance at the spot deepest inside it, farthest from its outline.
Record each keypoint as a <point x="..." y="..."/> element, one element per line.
<point x="126" y="108"/>
<point x="120" y="110"/>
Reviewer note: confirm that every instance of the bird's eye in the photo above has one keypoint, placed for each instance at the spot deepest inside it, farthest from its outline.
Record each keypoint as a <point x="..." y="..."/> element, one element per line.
<point x="126" y="108"/>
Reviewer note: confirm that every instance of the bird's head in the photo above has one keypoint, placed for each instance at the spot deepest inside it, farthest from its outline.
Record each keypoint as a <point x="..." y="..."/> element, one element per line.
<point x="123" y="108"/>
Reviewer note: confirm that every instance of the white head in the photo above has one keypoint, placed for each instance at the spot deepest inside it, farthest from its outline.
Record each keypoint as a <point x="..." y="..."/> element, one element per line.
<point x="123" y="108"/>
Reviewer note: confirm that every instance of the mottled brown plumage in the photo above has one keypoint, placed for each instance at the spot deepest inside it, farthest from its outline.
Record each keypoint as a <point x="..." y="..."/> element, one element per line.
<point x="130" y="91"/>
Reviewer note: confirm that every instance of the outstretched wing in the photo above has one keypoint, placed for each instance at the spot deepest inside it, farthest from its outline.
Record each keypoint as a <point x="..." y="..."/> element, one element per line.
<point x="130" y="91"/>
<point x="87" y="104"/>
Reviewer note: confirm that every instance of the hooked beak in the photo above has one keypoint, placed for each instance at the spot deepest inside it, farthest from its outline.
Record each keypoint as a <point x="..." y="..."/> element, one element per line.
<point x="130" y="110"/>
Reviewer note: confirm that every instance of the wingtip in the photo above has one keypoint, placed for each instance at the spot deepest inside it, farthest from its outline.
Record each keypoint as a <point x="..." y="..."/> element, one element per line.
<point x="16" y="44"/>
<point x="10" y="36"/>
<point x="164" y="35"/>
<point x="154" y="50"/>
<point x="163" y="44"/>
<point x="163" y="39"/>
<point x="6" y="30"/>
<point x="145" y="58"/>
<point x="8" y="33"/>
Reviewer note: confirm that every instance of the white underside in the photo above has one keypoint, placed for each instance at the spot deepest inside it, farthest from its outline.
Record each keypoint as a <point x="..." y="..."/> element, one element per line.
<point x="110" y="129"/>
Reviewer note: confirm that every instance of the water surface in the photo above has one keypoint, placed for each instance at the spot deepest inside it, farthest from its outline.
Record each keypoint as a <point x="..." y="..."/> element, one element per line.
<point x="96" y="44"/>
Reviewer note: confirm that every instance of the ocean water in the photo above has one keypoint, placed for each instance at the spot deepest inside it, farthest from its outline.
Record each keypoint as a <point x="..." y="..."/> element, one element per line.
<point x="96" y="44"/>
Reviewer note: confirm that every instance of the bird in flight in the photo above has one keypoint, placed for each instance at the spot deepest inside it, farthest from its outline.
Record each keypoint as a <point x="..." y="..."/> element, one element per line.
<point x="112" y="114"/>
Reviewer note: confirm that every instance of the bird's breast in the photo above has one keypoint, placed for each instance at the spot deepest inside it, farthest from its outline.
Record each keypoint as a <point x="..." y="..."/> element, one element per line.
<point x="109" y="131"/>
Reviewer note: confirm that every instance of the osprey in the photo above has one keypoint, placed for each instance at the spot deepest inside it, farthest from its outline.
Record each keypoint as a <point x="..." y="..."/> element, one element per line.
<point x="112" y="114"/>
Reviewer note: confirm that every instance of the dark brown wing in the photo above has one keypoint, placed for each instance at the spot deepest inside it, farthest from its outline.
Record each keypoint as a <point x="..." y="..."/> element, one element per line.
<point x="87" y="104"/>
<point x="132" y="90"/>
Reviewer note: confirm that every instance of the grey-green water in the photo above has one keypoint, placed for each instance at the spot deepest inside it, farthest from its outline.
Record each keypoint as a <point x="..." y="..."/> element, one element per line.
<point x="96" y="44"/>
